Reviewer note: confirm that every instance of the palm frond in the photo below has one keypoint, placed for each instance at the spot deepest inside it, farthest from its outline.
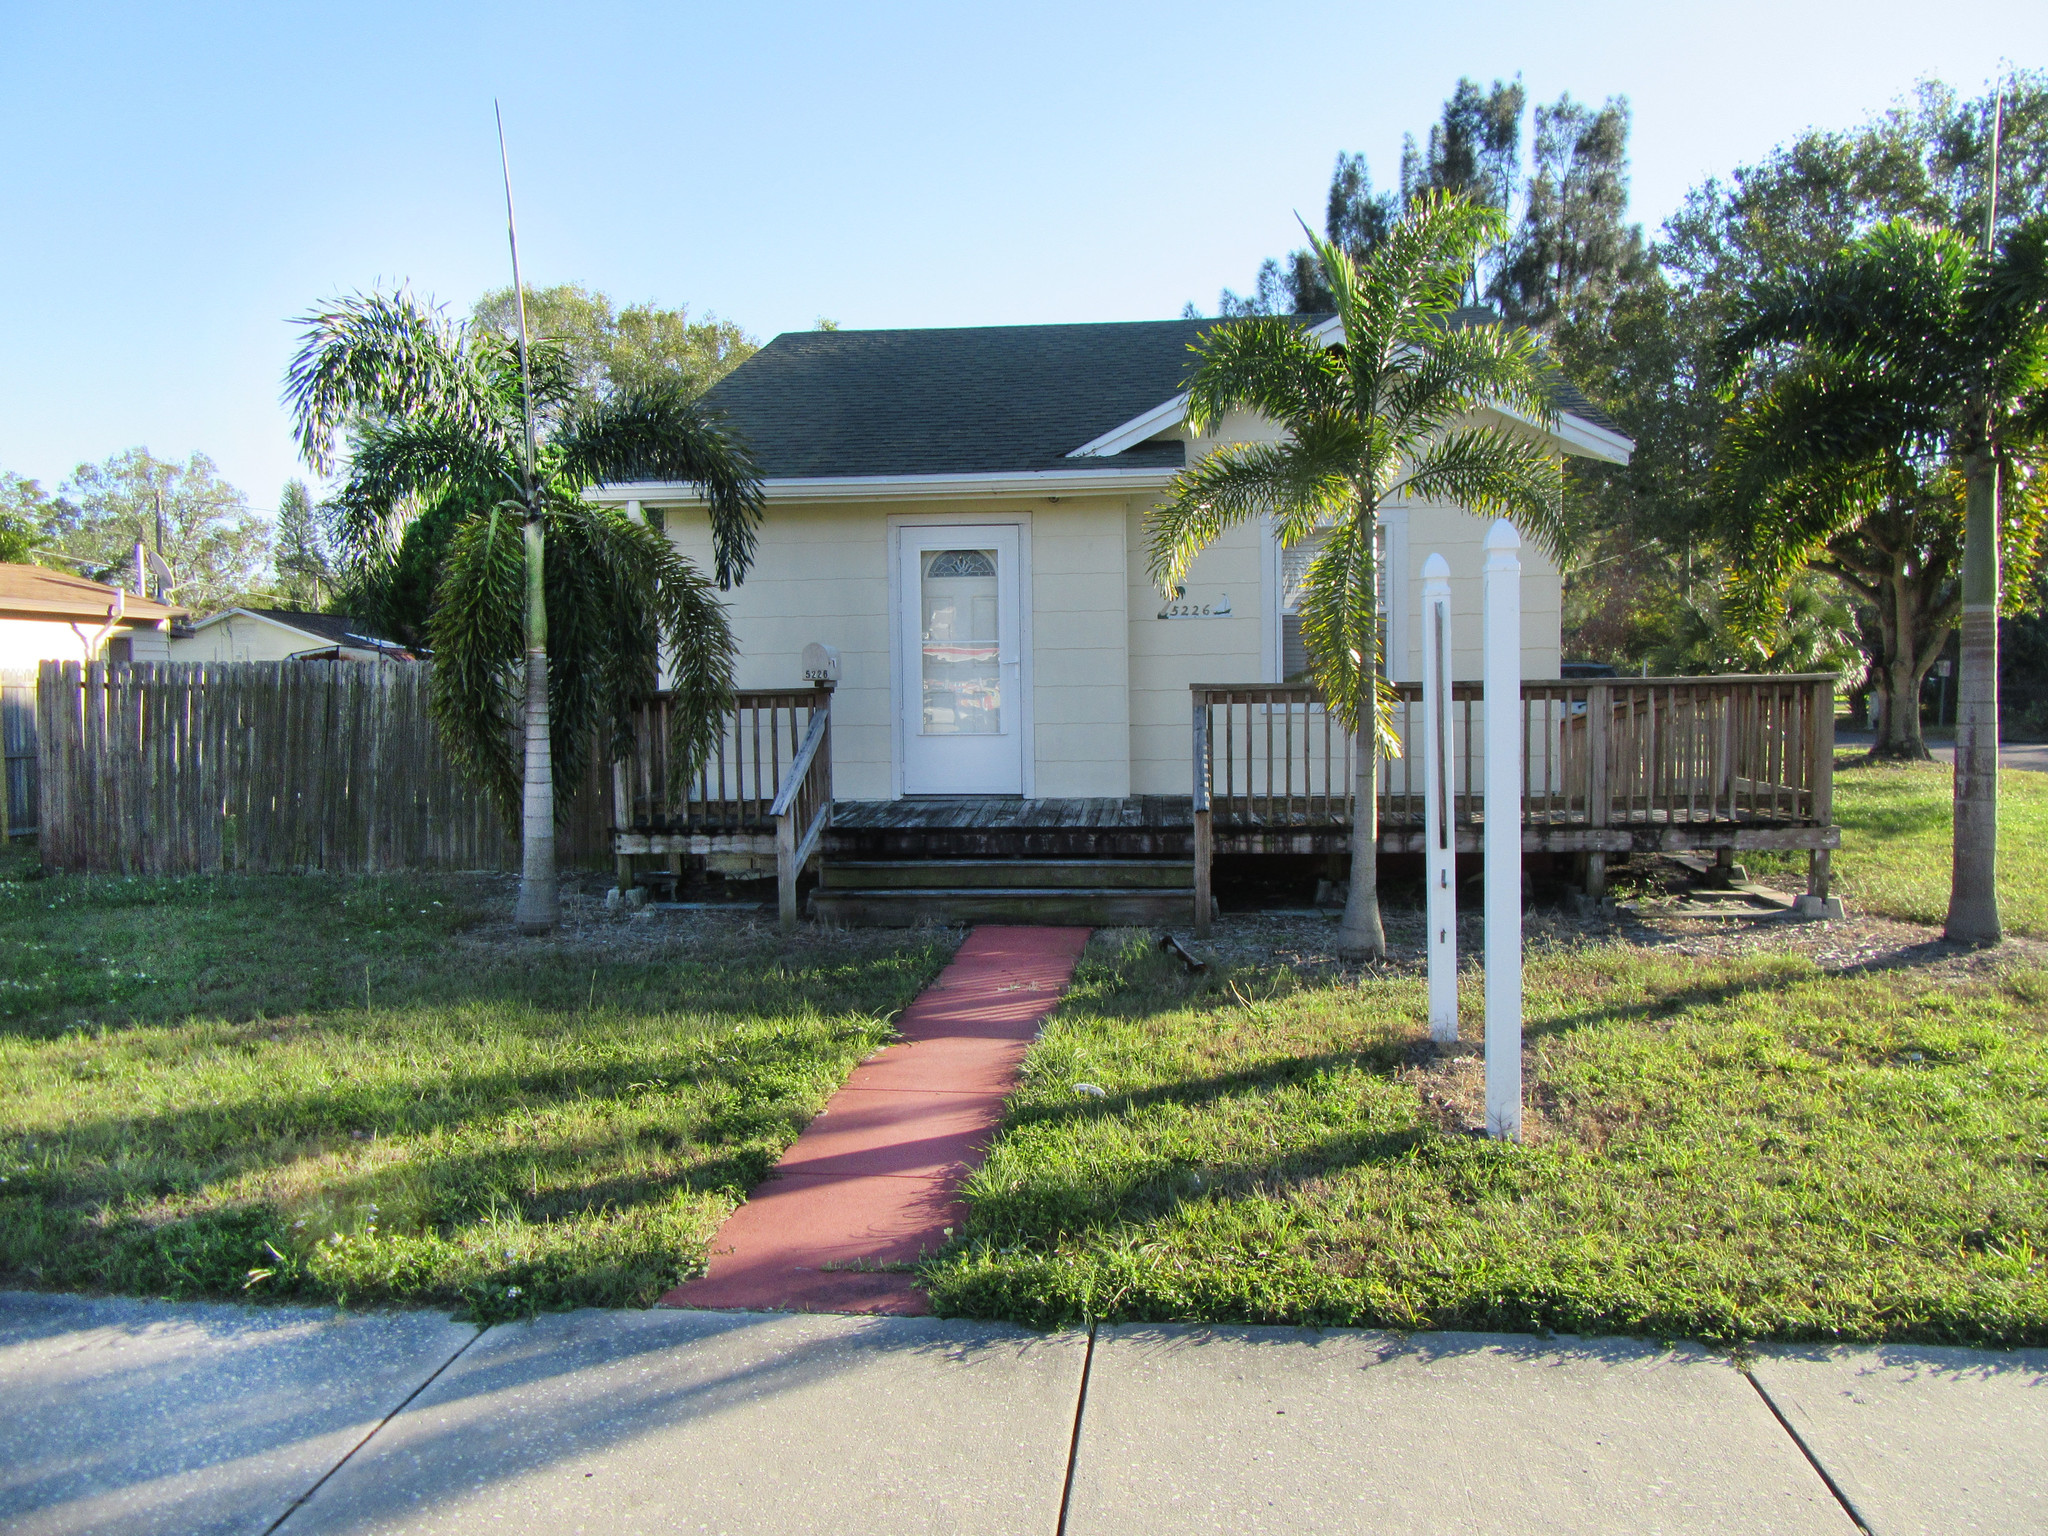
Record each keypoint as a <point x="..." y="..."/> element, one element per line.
<point x="1414" y="278"/>
<point x="1340" y="627"/>
<point x="1290" y="481"/>
<point x="380" y="355"/>
<point x="1496" y="474"/>
<point x="1899" y="295"/>
<point x="1459" y="370"/>
<point x="1265" y="364"/>
<point x="477" y="640"/>
<point x="1824" y="417"/>
<point x="395" y="458"/>
<point x="659" y="433"/>
<point x="1808" y="512"/>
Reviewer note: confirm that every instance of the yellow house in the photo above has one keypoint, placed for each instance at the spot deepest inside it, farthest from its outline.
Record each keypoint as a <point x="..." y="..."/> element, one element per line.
<point x="283" y="634"/>
<point x="960" y="515"/>
<point x="48" y="615"/>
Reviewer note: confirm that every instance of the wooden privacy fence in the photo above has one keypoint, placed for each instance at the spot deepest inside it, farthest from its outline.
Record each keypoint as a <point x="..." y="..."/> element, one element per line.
<point x="1609" y="765"/>
<point x="264" y="767"/>
<point x="18" y="751"/>
<point x="764" y="789"/>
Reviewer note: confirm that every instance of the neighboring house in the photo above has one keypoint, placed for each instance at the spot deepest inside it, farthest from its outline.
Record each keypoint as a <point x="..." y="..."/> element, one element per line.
<point x="48" y="615"/>
<point x="283" y="634"/>
<point x="961" y="515"/>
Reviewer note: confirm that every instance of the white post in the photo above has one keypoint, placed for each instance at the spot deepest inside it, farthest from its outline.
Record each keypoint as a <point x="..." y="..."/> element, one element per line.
<point x="1503" y="841"/>
<point x="1440" y="832"/>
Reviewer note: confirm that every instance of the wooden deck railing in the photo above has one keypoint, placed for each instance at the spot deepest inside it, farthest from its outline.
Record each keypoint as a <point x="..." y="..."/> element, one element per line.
<point x="1608" y="765"/>
<point x="802" y="810"/>
<point x="765" y="786"/>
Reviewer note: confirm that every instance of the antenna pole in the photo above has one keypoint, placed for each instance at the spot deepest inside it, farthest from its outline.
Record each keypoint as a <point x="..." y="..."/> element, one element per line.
<point x="519" y="299"/>
<point x="1991" y="176"/>
<point x="538" y="908"/>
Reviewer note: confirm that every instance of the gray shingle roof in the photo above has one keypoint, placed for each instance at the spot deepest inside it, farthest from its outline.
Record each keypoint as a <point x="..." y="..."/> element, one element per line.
<point x="976" y="400"/>
<point x="969" y="400"/>
<point x="334" y="628"/>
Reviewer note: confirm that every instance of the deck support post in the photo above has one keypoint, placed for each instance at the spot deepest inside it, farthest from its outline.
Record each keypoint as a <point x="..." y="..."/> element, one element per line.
<point x="1820" y="780"/>
<point x="1596" y="875"/>
<point x="785" y="871"/>
<point x="1501" y="648"/>
<point x="1439" y="831"/>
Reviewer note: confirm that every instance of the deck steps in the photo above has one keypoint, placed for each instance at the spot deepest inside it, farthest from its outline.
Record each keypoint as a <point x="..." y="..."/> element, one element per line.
<point x="898" y="893"/>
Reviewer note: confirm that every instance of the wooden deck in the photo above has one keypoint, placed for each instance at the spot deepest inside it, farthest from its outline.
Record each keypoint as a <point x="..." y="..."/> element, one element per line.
<point x="1608" y="767"/>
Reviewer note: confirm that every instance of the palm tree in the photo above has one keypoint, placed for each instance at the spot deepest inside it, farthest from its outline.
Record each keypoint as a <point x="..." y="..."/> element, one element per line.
<point x="548" y="611"/>
<point x="1392" y="411"/>
<point x="1913" y="350"/>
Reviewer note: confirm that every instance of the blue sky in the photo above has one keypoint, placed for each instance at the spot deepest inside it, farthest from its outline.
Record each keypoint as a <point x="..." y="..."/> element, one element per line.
<point x="179" y="181"/>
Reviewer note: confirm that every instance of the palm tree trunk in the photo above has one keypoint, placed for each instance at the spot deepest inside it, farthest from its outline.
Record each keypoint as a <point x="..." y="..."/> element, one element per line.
<point x="1973" y="884"/>
<point x="1361" y="935"/>
<point x="538" y="907"/>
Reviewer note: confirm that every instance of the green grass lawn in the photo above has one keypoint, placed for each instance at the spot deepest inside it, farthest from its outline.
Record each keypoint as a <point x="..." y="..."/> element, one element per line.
<point x="347" y="1090"/>
<point x="1731" y="1148"/>
<point x="1896" y="825"/>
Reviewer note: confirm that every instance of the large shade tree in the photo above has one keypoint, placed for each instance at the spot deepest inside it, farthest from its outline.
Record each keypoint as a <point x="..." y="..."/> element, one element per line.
<point x="1654" y="538"/>
<point x="1397" y="409"/>
<point x="1915" y="350"/>
<point x="548" y="612"/>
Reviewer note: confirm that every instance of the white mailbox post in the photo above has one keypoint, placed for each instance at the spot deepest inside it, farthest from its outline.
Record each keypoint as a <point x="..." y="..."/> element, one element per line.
<point x="1503" y="838"/>
<point x="1440" y="831"/>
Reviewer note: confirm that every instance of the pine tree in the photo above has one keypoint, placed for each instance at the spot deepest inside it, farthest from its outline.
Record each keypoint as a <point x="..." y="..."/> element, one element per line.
<point x="300" y="551"/>
<point x="1575" y="249"/>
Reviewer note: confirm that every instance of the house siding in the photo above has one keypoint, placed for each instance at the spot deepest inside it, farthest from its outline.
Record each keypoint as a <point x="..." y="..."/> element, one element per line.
<point x="1109" y="678"/>
<point x="239" y="637"/>
<point x="822" y="573"/>
<point x="25" y="642"/>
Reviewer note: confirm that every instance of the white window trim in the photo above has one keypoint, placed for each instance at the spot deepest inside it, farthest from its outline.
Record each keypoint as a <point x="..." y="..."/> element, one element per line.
<point x="899" y="687"/>
<point x="1396" y="580"/>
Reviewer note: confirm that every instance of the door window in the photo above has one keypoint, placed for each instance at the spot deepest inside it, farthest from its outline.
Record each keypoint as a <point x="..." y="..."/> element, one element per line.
<point x="960" y="611"/>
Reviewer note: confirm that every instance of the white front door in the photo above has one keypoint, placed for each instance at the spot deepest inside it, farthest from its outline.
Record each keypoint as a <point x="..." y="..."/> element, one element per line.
<point x="963" y="727"/>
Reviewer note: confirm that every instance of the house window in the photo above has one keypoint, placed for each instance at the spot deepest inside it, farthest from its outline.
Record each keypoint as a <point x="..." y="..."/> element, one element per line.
<point x="1294" y="563"/>
<point x="122" y="649"/>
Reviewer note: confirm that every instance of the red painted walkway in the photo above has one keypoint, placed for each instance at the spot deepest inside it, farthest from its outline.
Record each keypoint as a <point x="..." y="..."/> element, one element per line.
<point x="875" y="1179"/>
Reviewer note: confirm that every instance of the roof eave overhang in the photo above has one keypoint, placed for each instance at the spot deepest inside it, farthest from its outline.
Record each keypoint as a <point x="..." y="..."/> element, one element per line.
<point x="63" y="610"/>
<point x="816" y="488"/>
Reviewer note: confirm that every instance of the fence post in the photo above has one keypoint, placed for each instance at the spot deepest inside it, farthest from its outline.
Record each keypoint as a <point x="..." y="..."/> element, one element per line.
<point x="1205" y="829"/>
<point x="1503" y="713"/>
<point x="1440" y="832"/>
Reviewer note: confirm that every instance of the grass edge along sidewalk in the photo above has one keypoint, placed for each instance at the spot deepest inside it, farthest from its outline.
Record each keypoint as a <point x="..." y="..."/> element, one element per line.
<point x="358" y="1090"/>
<point x="1726" y="1147"/>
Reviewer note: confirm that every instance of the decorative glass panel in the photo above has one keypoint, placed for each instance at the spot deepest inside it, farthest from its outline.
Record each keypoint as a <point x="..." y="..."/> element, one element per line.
<point x="958" y="606"/>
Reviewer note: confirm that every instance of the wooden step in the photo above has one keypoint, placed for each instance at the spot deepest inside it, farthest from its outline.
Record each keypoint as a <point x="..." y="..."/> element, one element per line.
<point x="979" y="874"/>
<point x="1061" y="906"/>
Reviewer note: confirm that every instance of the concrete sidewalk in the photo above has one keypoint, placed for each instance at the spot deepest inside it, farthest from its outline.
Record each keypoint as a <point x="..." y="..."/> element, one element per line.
<point x="123" y="1416"/>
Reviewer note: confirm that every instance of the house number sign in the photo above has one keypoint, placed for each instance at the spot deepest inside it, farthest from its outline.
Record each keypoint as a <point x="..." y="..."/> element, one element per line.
<point x="1181" y="607"/>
